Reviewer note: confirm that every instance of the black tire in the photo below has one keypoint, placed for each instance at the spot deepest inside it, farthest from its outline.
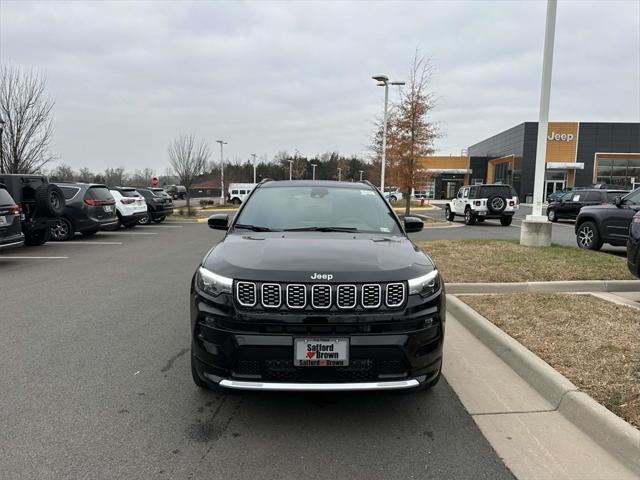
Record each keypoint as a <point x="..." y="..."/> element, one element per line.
<point x="159" y="219"/>
<point x="62" y="230"/>
<point x="89" y="233"/>
<point x="551" y="215"/>
<point x="449" y="215"/>
<point x="496" y="204"/>
<point x="588" y="236"/>
<point x="392" y="199"/>
<point x="469" y="217"/>
<point x="146" y="220"/>
<point x="37" y="237"/>
<point x="236" y="201"/>
<point x="50" y="200"/>
<point x="506" y="220"/>
<point x="196" y="378"/>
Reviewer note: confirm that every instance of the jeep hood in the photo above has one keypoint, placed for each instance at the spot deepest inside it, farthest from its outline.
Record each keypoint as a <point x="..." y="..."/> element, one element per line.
<point x="296" y="256"/>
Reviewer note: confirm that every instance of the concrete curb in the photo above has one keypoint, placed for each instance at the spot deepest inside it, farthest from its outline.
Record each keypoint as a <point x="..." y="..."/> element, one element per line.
<point x="612" y="433"/>
<point x="545" y="287"/>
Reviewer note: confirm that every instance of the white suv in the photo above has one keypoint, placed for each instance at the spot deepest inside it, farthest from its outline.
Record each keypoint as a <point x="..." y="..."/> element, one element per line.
<point x="478" y="202"/>
<point x="130" y="206"/>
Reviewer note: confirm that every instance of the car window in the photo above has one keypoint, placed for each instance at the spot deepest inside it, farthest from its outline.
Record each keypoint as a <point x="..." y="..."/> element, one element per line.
<point x="502" y="190"/>
<point x="611" y="196"/>
<point x="465" y="193"/>
<point x="633" y="198"/>
<point x="460" y="193"/>
<point x="5" y="198"/>
<point x="145" y="193"/>
<point x="98" y="193"/>
<point x="592" y="197"/>
<point x="280" y="208"/>
<point x="69" y="192"/>
<point x="234" y="192"/>
<point x="243" y="192"/>
<point x="129" y="193"/>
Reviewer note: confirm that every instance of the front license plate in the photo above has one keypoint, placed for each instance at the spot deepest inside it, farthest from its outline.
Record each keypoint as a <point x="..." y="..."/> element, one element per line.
<point x="107" y="208"/>
<point x="321" y="352"/>
<point x="3" y="220"/>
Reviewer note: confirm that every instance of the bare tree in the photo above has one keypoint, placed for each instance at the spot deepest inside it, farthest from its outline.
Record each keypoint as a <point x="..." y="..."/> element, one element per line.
<point x="63" y="173"/>
<point x="85" y="175"/>
<point x="188" y="158"/>
<point x="28" y="130"/>
<point x="115" y="176"/>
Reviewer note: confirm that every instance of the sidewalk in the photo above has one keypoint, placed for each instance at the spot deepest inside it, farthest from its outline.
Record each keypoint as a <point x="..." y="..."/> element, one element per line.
<point x="526" y="430"/>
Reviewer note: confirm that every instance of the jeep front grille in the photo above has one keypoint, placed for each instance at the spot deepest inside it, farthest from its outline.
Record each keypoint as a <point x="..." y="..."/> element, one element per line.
<point x="298" y="296"/>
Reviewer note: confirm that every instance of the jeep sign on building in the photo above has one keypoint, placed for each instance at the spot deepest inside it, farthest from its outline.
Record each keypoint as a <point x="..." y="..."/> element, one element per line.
<point x="578" y="154"/>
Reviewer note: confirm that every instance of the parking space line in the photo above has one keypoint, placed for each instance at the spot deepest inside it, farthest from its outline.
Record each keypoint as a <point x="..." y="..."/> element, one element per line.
<point x="74" y="242"/>
<point x="24" y="257"/>
<point x="133" y="233"/>
<point x="161" y="226"/>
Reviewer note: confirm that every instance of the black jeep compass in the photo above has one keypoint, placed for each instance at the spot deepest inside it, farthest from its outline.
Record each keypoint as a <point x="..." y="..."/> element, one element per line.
<point x="316" y="287"/>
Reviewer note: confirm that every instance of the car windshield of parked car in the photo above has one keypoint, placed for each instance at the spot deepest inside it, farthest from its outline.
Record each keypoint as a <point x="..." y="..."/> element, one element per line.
<point x="633" y="198"/>
<point x="318" y="208"/>
<point x="98" y="193"/>
<point x="5" y="198"/>
<point x="503" y="190"/>
<point x="129" y="193"/>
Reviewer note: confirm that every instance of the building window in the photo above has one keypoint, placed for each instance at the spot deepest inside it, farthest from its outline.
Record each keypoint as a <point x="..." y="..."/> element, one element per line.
<point x="618" y="171"/>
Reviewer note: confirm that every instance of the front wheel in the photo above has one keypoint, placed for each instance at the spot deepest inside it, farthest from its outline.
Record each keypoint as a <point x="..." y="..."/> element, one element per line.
<point x="469" y="217"/>
<point x="506" y="220"/>
<point x="551" y="215"/>
<point x="236" y="201"/>
<point x="588" y="236"/>
<point x="449" y="215"/>
<point x="62" y="230"/>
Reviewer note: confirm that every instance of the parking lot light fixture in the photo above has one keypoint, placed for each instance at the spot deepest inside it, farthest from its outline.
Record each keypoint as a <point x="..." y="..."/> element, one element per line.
<point x="254" y="167"/>
<point x="339" y="174"/>
<point x="383" y="81"/>
<point x="290" y="169"/>
<point x="222" y="143"/>
<point x="1" y="131"/>
<point x="313" y="166"/>
<point x="361" y="172"/>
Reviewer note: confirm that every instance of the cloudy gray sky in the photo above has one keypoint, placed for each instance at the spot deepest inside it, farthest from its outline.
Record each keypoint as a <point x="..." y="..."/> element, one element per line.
<point x="268" y="76"/>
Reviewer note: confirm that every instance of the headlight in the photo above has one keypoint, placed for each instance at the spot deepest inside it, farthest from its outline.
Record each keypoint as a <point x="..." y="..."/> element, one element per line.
<point x="212" y="283"/>
<point x="424" y="285"/>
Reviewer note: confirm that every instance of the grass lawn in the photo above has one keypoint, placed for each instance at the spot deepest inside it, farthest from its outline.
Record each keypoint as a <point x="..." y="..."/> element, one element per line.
<point x="475" y="261"/>
<point x="592" y="342"/>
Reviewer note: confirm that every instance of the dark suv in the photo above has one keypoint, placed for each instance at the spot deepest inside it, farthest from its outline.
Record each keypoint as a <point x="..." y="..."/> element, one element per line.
<point x="316" y="287"/>
<point x="159" y="205"/>
<point x="40" y="204"/>
<point x="90" y="207"/>
<point x="607" y="223"/>
<point x="11" y="235"/>
<point x="570" y="204"/>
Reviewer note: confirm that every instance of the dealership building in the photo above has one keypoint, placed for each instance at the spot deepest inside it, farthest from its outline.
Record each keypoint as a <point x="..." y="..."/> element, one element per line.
<point x="578" y="154"/>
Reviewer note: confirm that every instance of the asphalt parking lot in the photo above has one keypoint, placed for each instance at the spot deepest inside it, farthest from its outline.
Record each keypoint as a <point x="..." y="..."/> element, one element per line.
<point x="96" y="382"/>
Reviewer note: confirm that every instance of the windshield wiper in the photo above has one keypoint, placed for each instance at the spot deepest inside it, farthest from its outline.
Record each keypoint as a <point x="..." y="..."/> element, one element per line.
<point x="255" y="228"/>
<point x="322" y="229"/>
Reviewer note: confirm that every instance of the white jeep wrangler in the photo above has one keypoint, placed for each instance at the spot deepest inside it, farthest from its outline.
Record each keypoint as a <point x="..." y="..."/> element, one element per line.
<point x="478" y="202"/>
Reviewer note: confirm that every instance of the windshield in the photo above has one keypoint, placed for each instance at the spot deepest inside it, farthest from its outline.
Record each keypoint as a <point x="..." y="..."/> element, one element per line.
<point x="503" y="190"/>
<point x="633" y="198"/>
<point x="308" y="207"/>
<point x="129" y="193"/>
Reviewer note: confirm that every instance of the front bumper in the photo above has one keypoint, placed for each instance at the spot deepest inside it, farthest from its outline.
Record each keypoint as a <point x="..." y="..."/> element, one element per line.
<point x="254" y="350"/>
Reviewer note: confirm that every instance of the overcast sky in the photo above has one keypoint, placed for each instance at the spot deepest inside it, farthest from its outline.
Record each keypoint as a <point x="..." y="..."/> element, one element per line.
<point x="267" y="76"/>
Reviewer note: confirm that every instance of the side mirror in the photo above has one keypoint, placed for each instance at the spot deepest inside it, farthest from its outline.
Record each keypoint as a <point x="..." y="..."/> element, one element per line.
<point x="413" y="224"/>
<point x="219" y="221"/>
<point x="618" y="201"/>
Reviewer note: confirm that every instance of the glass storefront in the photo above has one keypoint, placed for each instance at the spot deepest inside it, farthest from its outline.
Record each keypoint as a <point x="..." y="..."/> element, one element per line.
<point x="618" y="171"/>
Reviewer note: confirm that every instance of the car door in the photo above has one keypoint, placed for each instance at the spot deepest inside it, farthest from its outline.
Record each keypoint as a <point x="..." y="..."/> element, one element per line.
<point x="587" y="198"/>
<point x="456" y="203"/>
<point x="617" y="222"/>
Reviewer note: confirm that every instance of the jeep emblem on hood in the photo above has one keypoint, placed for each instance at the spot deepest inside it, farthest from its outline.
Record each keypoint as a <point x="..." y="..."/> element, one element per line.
<point x="321" y="276"/>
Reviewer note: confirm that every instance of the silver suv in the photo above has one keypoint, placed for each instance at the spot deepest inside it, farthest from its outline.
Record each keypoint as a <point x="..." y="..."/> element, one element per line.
<point x="476" y="203"/>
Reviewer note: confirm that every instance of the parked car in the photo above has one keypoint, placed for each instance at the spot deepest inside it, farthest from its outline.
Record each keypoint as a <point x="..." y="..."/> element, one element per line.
<point x="40" y="204"/>
<point x="130" y="206"/>
<point x="633" y="245"/>
<point x="476" y="203"/>
<point x="609" y="223"/>
<point x="11" y="235"/>
<point x="159" y="205"/>
<point x="570" y="204"/>
<point x="176" y="192"/>
<point x="392" y="194"/>
<point x="330" y="294"/>
<point x="89" y="207"/>
<point x="238" y="192"/>
<point x="558" y="194"/>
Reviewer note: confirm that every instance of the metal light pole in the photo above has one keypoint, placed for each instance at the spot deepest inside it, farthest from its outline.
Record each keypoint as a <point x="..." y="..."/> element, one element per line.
<point x="1" y="132"/>
<point x="383" y="81"/>
<point x="314" y="165"/>
<point x="222" y="196"/>
<point x="254" y="167"/>
<point x="339" y="174"/>
<point x="361" y="172"/>
<point x="536" y="230"/>
<point x="290" y="168"/>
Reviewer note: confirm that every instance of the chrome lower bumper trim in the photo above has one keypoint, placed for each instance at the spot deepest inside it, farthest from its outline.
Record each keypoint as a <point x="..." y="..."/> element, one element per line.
<point x="319" y="387"/>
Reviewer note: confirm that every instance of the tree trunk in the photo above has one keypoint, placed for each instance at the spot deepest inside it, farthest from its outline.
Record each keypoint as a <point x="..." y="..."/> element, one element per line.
<point x="188" y="197"/>
<point x="407" y="203"/>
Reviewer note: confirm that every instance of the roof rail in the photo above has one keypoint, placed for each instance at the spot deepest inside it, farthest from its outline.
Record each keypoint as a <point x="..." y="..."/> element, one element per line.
<point x="265" y="180"/>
